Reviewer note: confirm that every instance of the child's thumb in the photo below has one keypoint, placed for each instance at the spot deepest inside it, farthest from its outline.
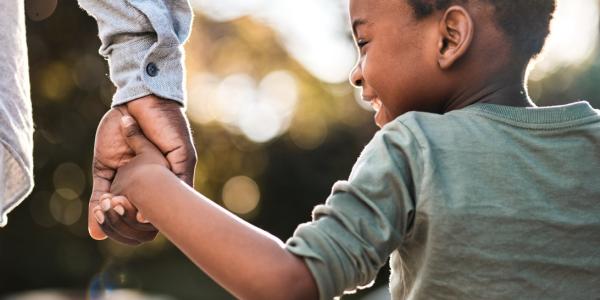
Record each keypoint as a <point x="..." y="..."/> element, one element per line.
<point x="134" y="136"/>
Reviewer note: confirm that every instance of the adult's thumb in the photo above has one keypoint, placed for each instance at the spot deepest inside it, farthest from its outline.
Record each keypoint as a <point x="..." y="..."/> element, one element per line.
<point x="134" y="136"/>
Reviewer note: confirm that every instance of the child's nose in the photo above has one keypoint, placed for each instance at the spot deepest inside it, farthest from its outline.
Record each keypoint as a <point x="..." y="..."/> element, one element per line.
<point x="356" y="77"/>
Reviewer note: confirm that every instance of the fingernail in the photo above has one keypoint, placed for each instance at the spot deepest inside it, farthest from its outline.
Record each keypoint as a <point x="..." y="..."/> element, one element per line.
<point x="99" y="216"/>
<point x="120" y="210"/>
<point x="127" y="120"/>
<point x="105" y="204"/>
<point x="105" y="196"/>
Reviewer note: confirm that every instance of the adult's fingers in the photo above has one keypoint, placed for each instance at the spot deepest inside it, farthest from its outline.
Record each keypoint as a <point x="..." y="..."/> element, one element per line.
<point x="116" y="235"/>
<point x="183" y="163"/>
<point x="166" y="126"/>
<point x="110" y="152"/>
<point x="101" y="179"/>
<point x="115" y="223"/>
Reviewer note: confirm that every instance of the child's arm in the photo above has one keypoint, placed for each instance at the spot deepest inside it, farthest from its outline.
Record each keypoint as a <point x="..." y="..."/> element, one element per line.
<point x="244" y="259"/>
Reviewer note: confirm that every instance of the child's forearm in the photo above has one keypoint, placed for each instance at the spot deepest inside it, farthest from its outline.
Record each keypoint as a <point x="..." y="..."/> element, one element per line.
<point x="247" y="261"/>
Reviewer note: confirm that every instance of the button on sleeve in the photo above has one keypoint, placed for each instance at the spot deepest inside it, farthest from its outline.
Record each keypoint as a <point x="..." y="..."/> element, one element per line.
<point x="143" y="43"/>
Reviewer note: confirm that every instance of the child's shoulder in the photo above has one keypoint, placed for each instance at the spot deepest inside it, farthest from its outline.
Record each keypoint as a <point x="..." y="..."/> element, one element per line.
<point x="424" y="124"/>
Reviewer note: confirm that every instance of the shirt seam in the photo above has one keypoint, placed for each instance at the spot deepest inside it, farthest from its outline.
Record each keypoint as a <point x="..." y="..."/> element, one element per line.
<point x="537" y="126"/>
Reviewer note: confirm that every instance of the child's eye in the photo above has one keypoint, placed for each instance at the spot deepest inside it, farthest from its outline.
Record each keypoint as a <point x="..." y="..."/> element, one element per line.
<point x="361" y="43"/>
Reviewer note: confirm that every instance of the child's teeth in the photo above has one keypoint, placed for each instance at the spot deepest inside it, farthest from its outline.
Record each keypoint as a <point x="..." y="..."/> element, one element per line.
<point x="376" y="104"/>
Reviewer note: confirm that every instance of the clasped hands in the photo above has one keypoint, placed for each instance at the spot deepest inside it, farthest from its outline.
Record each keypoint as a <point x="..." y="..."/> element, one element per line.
<point x="145" y="132"/>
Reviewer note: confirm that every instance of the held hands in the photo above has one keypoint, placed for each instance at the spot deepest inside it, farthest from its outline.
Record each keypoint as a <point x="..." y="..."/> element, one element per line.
<point x="165" y="126"/>
<point x="128" y="177"/>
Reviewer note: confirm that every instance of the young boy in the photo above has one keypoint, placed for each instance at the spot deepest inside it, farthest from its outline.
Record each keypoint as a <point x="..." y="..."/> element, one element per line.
<point x="473" y="191"/>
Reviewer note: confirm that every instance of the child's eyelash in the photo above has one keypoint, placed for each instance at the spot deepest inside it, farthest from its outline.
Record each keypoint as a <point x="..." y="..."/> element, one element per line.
<point x="361" y="43"/>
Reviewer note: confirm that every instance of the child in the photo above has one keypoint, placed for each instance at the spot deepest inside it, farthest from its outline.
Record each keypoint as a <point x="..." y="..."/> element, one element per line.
<point x="473" y="191"/>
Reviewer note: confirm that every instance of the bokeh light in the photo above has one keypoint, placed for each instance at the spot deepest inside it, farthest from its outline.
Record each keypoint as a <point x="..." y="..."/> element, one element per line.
<point x="241" y="195"/>
<point x="56" y="83"/>
<point x="69" y="180"/>
<point x="261" y="111"/>
<point x="308" y="131"/>
<point x="65" y="210"/>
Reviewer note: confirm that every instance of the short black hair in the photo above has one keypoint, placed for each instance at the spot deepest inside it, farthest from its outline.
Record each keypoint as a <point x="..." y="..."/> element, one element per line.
<point x="526" y="22"/>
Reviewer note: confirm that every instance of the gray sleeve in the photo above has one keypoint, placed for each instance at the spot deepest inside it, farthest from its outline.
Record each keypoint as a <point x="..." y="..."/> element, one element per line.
<point x="365" y="218"/>
<point x="143" y="42"/>
<point x="16" y="124"/>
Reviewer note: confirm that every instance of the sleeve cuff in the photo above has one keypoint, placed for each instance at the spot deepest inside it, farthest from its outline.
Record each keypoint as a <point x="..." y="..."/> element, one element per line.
<point x="140" y="67"/>
<point x="315" y="262"/>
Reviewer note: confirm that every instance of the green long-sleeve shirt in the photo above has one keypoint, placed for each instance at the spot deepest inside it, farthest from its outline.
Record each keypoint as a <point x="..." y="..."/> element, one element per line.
<point x="487" y="202"/>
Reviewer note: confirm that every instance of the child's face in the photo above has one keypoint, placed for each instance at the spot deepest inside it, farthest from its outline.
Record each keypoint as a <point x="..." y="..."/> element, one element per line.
<point x="397" y="67"/>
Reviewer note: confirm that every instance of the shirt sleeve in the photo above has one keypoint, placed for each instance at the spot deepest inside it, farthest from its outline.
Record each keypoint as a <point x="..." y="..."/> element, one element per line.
<point x="143" y="43"/>
<point x="16" y="123"/>
<point x="365" y="218"/>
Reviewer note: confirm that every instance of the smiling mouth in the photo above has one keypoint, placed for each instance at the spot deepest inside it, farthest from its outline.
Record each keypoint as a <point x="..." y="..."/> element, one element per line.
<point x="375" y="104"/>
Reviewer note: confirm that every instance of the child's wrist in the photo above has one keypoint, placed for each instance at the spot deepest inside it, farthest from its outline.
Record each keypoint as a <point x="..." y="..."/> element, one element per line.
<point x="149" y="180"/>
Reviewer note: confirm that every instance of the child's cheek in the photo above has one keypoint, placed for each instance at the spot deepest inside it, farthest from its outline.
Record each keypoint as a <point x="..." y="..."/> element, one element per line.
<point x="371" y="73"/>
<point x="364" y="67"/>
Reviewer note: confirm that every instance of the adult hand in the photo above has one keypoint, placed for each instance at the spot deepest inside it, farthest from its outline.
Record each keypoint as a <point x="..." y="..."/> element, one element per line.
<point x="164" y="124"/>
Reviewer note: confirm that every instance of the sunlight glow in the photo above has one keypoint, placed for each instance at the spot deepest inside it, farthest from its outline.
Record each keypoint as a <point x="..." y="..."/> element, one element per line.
<point x="313" y="31"/>
<point x="573" y="37"/>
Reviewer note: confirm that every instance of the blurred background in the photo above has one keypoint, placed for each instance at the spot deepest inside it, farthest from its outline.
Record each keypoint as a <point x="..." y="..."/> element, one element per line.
<point x="275" y="123"/>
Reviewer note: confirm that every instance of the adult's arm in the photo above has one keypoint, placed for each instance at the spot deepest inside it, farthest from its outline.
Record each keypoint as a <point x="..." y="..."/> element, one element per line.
<point x="16" y="125"/>
<point x="143" y="43"/>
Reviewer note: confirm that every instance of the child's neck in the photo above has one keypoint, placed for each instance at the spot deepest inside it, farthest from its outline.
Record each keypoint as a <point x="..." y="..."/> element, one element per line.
<point x="502" y="90"/>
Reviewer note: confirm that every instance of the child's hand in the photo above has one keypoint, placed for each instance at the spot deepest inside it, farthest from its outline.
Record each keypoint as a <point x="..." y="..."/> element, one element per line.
<point x="120" y="212"/>
<point x="122" y="206"/>
<point x="147" y="157"/>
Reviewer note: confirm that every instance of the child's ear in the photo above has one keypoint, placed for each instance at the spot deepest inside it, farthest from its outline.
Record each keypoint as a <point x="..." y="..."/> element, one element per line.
<point x="456" y="34"/>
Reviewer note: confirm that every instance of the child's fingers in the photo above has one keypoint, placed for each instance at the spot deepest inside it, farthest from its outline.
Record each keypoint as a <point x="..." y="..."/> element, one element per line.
<point x="122" y="206"/>
<point x="134" y="136"/>
<point x="130" y="215"/>
<point x="119" y="220"/>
